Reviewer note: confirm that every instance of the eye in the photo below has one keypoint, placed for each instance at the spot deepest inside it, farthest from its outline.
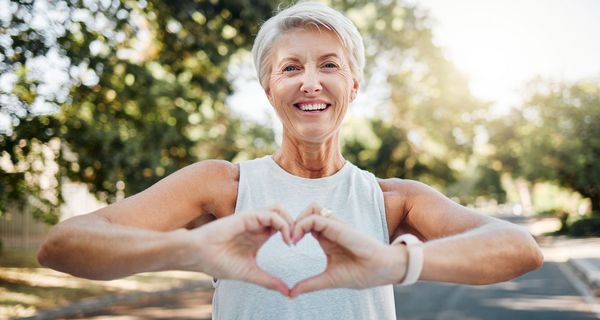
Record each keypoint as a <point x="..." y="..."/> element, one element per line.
<point x="330" y="65"/>
<point x="290" y="68"/>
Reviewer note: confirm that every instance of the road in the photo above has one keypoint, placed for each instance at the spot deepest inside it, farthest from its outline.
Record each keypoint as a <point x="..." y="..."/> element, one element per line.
<point x="546" y="294"/>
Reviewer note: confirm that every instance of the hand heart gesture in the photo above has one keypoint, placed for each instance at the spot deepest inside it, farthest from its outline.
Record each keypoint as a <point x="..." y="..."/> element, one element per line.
<point x="354" y="260"/>
<point x="230" y="245"/>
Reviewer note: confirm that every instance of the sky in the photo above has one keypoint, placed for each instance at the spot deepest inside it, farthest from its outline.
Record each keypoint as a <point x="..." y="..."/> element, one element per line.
<point x="499" y="45"/>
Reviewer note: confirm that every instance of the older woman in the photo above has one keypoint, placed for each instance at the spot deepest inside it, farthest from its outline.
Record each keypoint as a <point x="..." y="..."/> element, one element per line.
<point x="339" y="225"/>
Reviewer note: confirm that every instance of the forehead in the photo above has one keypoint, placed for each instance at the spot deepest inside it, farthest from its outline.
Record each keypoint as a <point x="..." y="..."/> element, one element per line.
<point x="307" y="43"/>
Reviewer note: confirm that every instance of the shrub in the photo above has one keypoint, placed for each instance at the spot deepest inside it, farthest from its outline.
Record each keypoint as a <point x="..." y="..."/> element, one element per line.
<point x="586" y="227"/>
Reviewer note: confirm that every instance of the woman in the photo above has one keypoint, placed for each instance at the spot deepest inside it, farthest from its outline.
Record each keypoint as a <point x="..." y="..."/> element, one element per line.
<point x="309" y="60"/>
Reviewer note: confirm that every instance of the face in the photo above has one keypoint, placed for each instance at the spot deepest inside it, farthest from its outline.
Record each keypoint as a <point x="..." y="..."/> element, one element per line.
<point x="311" y="84"/>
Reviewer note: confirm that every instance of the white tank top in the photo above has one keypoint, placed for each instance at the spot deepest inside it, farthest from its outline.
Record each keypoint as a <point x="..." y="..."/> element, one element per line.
<point x="355" y="197"/>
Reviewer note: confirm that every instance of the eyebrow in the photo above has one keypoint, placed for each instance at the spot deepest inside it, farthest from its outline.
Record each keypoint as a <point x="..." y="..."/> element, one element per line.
<point x="322" y="57"/>
<point x="329" y="55"/>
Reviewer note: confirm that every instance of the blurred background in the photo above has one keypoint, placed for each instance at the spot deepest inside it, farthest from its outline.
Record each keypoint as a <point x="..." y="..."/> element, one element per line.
<point x="495" y="104"/>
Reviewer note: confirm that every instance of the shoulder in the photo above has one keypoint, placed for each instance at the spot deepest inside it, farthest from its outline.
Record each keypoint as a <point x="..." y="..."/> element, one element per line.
<point x="207" y="175"/>
<point x="216" y="185"/>
<point x="200" y="175"/>
<point x="397" y="187"/>
<point x="405" y="193"/>
<point x="217" y="170"/>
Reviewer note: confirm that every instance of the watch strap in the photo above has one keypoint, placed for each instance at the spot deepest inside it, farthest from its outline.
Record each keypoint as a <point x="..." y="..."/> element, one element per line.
<point x="415" y="258"/>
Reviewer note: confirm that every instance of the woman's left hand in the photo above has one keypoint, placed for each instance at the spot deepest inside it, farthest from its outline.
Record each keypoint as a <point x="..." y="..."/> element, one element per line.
<point x="354" y="260"/>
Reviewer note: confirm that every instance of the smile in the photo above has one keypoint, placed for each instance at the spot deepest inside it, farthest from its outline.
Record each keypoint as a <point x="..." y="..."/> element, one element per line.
<point x="316" y="107"/>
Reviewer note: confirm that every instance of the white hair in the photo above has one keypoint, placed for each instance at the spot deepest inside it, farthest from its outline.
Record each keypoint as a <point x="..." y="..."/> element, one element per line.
<point x="302" y="15"/>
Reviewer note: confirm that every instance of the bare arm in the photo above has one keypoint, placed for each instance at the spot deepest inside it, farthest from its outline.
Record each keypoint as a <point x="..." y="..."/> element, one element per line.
<point x="143" y="232"/>
<point x="91" y="247"/>
<point x="462" y="245"/>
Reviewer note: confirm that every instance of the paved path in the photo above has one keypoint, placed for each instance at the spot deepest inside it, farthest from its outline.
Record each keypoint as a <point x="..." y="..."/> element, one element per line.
<point x="545" y="294"/>
<point x="194" y="304"/>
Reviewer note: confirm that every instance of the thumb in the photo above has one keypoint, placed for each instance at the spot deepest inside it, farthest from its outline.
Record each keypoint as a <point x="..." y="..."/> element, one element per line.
<point x="314" y="283"/>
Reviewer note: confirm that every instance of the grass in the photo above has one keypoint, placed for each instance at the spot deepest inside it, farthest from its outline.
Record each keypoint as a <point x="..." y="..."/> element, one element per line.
<point x="26" y="287"/>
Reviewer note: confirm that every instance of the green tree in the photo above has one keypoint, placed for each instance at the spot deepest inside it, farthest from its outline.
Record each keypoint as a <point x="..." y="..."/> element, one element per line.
<point x="427" y="122"/>
<point x="554" y="136"/>
<point x="144" y="97"/>
<point x="146" y="84"/>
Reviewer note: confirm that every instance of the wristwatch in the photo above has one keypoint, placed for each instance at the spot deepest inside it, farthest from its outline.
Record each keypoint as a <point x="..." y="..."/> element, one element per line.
<point x="415" y="258"/>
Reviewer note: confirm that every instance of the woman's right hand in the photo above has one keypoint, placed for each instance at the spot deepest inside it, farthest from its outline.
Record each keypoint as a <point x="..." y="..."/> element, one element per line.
<point x="228" y="246"/>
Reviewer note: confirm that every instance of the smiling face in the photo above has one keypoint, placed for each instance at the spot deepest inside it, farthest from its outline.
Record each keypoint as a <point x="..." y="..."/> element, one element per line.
<point x="311" y="84"/>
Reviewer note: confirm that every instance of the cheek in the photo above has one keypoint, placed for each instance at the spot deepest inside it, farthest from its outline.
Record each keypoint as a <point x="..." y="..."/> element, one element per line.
<point x="281" y="87"/>
<point x="341" y="83"/>
<point x="345" y="77"/>
<point x="275" y="89"/>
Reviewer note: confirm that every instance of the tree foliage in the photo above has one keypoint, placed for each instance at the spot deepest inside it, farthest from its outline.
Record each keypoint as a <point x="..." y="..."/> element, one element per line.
<point x="146" y="89"/>
<point x="554" y="136"/>
<point x="429" y="117"/>
<point x="136" y="90"/>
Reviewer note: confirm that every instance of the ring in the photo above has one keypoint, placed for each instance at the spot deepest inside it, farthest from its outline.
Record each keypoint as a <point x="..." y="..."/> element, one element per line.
<point x="325" y="212"/>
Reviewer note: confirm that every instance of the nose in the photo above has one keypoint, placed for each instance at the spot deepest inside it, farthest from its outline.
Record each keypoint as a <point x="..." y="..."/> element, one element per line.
<point x="311" y="82"/>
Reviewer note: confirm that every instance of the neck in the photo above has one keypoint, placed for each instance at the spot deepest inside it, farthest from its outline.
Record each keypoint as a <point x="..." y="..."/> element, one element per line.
<point x="310" y="160"/>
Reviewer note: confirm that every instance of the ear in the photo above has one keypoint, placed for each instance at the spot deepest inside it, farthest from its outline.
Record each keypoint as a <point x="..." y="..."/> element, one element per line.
<point x="268" y="93"/>
<point x="355" y="86"/>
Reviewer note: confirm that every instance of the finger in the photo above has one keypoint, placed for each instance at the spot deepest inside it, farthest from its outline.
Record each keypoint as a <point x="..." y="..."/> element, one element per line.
<point x="335" y="231"/>
<point x="314" y="283"/>
<point x="274" y="220"/>
<point x="312" y="223"/>
<point x="308" y="224"/>
<point x="313" y="208"/>
<point x="266" y="280"/>
<point x="284" y="214"/>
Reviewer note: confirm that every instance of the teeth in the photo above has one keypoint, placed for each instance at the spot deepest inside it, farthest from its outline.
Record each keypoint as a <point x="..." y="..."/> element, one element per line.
<point x="306" y="107"/>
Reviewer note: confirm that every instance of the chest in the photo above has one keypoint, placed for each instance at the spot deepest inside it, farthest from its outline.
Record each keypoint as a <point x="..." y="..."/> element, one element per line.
<point x="357" y="200"/>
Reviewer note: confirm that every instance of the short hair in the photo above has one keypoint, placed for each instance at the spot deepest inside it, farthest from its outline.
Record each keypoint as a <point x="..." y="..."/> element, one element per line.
<point x="303" y="15"/>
